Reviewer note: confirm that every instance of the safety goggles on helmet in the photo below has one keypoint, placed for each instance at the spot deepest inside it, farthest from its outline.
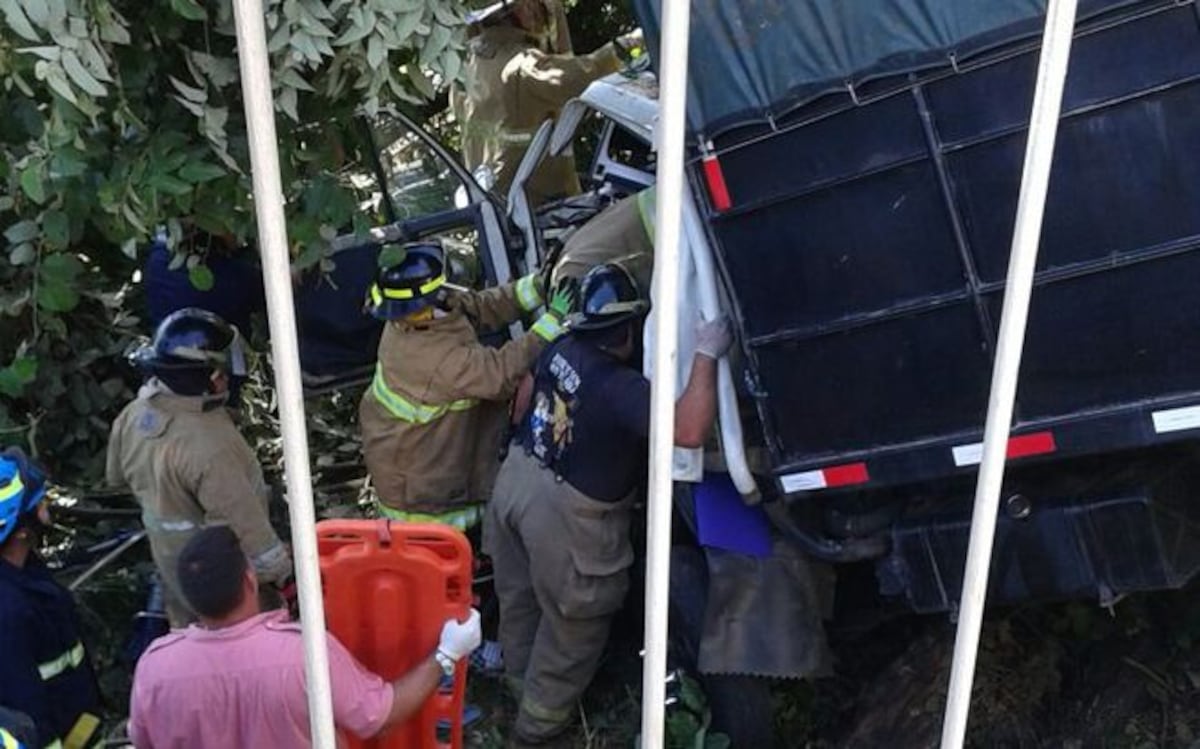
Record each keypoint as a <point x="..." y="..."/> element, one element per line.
<point x="22" y="489"/>
<point x="410" y="284"/>
<point x="193" y="339"/>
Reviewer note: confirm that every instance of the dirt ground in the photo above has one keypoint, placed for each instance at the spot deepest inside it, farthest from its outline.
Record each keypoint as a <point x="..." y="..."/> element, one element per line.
<point x="1062" y="676"/>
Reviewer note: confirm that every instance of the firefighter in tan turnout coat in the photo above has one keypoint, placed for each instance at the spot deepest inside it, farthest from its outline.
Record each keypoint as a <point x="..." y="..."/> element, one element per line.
<point x="520" y="71"/>
<point x="178" y="451"/>
<point x="433" y="418"/>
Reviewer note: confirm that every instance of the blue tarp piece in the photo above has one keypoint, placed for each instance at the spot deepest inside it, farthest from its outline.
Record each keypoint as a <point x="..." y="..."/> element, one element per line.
<point x="762" y="58"/>
<point x="336" y="335"/>
<point x="724" y="521"/>
<point x="236" y="294"/>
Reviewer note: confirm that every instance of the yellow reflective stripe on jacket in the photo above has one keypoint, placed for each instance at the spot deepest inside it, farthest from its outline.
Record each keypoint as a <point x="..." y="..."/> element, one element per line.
<point x="12" y="488"/>
<point x="68" y="660"/>
<point x="527" y="293"/>
<point x="647" y="203"/>
<point x="56" y="744"/>
<point x="82" y="732"/>
<point x="406" y="410"/>
<point x="540" y="712"/>
<point x="8" y="741"/>
<point x="547" y="327"/>
<point x="463" y="519"/>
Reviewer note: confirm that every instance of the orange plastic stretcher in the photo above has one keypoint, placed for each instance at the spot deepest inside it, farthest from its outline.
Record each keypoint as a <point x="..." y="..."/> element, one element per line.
<point x="388" y="589"/>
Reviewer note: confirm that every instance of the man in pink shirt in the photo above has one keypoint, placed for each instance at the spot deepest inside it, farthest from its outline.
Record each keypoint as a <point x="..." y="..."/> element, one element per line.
<point x="236" y="679"/>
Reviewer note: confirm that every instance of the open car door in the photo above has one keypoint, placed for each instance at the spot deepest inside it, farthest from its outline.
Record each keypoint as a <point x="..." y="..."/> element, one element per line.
<point x="424" y="193"/>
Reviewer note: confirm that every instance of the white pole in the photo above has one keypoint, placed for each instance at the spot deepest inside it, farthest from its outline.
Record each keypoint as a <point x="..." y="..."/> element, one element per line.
<point x="272" y="238"/>
<point x="1031" y="205"/>
<point x="673" y="57"/>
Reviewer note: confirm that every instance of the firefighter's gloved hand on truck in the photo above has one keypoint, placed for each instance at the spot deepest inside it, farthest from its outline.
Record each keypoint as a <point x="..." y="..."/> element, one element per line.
<point x="460" y="638"/>
<point x="713" y="337"/>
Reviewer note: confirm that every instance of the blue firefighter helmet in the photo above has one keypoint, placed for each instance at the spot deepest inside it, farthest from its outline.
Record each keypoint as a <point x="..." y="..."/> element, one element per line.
<point x="410" y="284"/>
<point x="10" y="741"/>
<point x="22" y="488"/>
<point x="610" y="296"/>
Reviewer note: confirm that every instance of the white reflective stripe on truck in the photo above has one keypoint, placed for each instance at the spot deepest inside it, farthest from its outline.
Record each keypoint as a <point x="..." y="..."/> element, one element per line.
<point x="1176" y="419"/>
<point x="1037" y="443"/>
<point x="849" y="474"/>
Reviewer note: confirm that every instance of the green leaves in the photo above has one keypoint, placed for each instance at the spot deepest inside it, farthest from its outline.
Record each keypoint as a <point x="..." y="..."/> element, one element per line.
<point x="56" y="229"/>
<point x="22" y="231"/>
<point x="121" y="117"/>
<point x="200" y="171"/>
<point x="201" y="277"/>
<point x="20" y="372"/>
<point x="188" y="9"/>
<point x="57" y="288"/>
<point x="15" y="17"/>
<point x="33" y="183"/>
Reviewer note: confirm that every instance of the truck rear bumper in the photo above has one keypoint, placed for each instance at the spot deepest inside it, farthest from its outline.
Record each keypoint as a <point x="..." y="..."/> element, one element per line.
<point x="1137" y="529"/>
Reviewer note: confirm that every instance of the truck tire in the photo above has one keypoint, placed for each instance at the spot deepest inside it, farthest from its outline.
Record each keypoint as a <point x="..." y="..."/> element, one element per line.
<point x="741" y="709"/>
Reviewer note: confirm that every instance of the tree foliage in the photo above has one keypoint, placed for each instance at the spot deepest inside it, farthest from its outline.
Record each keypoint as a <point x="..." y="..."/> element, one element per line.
<point x="124" y="118"/>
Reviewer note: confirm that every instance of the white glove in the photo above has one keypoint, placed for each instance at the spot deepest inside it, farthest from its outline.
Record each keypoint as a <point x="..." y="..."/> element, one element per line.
<point x="713" y="337"/>
<point x="460" y="639"/>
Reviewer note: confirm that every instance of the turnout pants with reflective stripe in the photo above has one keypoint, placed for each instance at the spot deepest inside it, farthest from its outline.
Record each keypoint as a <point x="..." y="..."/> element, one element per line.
<point x="562" y="570"/>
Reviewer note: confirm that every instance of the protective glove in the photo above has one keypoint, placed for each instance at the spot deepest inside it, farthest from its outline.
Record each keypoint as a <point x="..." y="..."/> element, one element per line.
<point x="713" y="337"/>
<point x="551" y="324"/>
<point x="459" y="639"/>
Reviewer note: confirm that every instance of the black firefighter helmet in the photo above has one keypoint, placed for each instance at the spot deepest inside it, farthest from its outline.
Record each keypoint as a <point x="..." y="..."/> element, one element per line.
<point x="609" y="296"/>
<point x="188" y="346"/>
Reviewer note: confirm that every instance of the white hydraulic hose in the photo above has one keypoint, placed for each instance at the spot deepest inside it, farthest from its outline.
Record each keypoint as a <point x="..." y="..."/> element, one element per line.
<point x="1031" y="206"/>
<point x="733" y="444"/>
<point x="277" y="277"/>
<point x="668" y="223"/>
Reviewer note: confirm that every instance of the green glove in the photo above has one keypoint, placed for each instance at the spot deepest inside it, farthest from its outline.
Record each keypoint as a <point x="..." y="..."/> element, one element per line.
<point x="566" y="294"/>
<point x="551" y="324"/>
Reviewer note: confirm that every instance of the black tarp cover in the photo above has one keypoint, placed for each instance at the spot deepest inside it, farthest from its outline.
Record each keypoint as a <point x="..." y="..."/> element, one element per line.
<point x="753" y="60"/>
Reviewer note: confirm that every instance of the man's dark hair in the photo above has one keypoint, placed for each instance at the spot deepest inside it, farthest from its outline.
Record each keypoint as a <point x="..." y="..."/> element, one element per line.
<point x="211" y="568"/>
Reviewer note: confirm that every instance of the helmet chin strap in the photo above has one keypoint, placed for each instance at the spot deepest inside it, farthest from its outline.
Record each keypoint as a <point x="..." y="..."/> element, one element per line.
<point x="237" y="355"/>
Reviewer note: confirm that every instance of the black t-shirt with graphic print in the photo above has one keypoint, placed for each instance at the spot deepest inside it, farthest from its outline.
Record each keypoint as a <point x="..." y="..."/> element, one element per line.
<point x="588" y="419"/>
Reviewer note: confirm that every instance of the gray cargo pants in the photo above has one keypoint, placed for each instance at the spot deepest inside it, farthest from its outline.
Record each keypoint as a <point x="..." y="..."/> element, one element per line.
<point x="562" y="564"/>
